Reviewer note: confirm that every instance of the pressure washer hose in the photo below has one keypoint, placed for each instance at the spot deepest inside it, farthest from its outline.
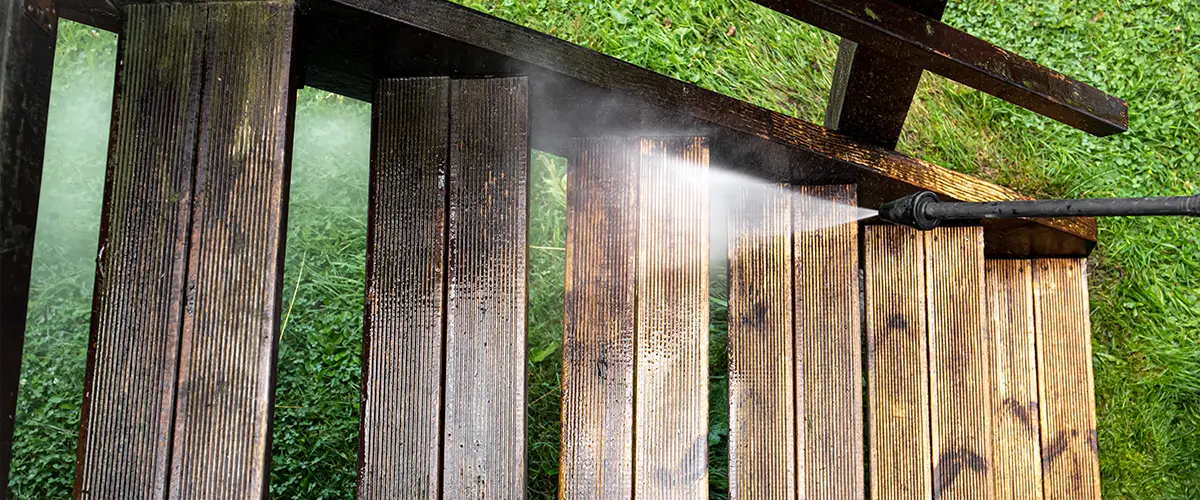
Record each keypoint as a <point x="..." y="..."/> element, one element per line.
<point x="925" y="211"/>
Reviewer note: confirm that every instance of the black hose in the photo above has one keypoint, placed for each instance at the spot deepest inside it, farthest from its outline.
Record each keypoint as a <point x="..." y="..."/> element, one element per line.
<point x="924" y="211"/>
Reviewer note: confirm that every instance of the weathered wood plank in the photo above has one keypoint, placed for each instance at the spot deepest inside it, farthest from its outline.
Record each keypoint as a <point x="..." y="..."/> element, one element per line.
<point x="1015" y="448"/>
<point x="229" y="337"/>
<point x="872" y="91"/>
<point x="27" y="52"/>
<point x="129" y="398"/>
<point x="897" y="363"/>
<point x="960" y="390"/>
<point x="484" y="437"/>
<point x="671" y="395"/>
<point x="598" y="349"/>
<point x="920" y="41"/>
<point x="1070" y="463"/>
<point x="828" y="336"/>
<point x="763" y="402"/>
<point x="404" y="327"/>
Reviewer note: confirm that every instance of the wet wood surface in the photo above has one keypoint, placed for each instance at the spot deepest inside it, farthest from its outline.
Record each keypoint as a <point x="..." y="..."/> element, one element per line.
<point x="1016" y="449"/>
<point x="485" y="397"/>
<point x="229" y="337"/>
<point x="671" y="393"/>
<point x="400" y="435"/>
<point x="960" y="349"/>
<point x="762" y="366"/>
<point x="27" y="49"/>
<point x="141" y="285"/>
<point x="828" y="341"/>
<point x="598" y="345"/>
<point x="1070" y="462"/>
<point x="897" y="363"/>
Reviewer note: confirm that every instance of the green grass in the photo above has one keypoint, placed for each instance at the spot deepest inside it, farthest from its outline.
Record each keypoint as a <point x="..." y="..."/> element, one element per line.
<point x="1145" y="278"/>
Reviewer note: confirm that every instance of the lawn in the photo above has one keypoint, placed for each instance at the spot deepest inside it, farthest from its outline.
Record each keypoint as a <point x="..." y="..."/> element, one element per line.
<point x="1145" y="278"/>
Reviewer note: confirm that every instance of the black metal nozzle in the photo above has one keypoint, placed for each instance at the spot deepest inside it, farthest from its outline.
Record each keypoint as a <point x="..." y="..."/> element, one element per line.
<point x="925" y="211"/>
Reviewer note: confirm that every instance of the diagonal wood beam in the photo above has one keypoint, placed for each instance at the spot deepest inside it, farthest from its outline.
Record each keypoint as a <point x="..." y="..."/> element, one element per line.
<point x="923" y="42"/>
<point x="872" y="91"/>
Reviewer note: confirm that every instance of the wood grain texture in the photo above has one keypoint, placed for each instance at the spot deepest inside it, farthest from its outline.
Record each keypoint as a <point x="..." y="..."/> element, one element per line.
<point x="1016" y="449"/>
<point x="762" y="385"/>
<point x="129" y="398"/>
<point x="872" y="91"/>
<point x="26" y="64"/>
<point x="404" y="327"/>
<point x="960" y="389"/>
<point x="828" y="338"/>
<point x="897" y="363"/>
<point x="671" y="395"/>
<point x="484" y="437"/>
<point x="225" y="394"/>
<point x="1070" y="465"/>
<point x="598" y="348"/>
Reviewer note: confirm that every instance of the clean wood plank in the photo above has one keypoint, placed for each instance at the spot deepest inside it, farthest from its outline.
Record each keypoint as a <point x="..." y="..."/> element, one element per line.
<point x="1070" y="465"/>
<point x="671" y="395"/>
<point x="828" y="337"/>
<point x="897" y="363"/>
<point x="1016" y="449"/>
<point x="141" y="273"/>
<point x="484" y="438"/>
<point x="872" y="91"/>
<point x="225" y="393"/>
<point x="960" y="389"/>
<point x="404" y="326"/>
<point x="762" y="385"/>
<point x="27" y="50"/>
<point x="926" y="43"/>
<point x="598" y="349"/>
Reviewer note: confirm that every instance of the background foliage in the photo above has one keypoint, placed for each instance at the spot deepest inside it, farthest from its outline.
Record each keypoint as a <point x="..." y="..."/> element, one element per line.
<point x="1145" y="276"/>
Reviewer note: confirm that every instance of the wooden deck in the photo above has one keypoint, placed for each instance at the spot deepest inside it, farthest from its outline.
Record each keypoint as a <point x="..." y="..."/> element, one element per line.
<point x="865" y="360"/>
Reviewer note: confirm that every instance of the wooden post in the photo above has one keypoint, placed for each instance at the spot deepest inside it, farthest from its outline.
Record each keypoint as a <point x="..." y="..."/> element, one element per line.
<point x="27" y="36"/>
<point x="181" y="362"/>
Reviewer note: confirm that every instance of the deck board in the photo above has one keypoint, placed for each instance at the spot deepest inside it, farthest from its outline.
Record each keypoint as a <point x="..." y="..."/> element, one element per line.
<point x="762" y="366"/>
<point x="829" y="340"/>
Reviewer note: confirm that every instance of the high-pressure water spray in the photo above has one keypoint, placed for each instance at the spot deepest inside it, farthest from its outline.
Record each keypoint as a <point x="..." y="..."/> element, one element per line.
<point x="925" y="211"/>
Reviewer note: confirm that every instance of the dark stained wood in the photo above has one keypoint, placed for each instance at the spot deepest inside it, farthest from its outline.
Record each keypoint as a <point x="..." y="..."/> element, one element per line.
<point x="129" y="399"/>
<point x="1016" y="449"/>
<point x="229" y="338"/>
<point x="484" y="437"/>
<point x="598" y="348"/>
<point x="828" y="338"/>
<point x="871" y="91"/>
<point x="399" y="455"/>
<point x="103" y="14"/>
<point x="1070" y="461"/>
<point x="897" y="363"/>
<point x="920" y="41"/>
<point x="763" y="406"/>
<point x="27" y="52"/>
<point x="960" y="389"/>
<point x="671" y="395"/>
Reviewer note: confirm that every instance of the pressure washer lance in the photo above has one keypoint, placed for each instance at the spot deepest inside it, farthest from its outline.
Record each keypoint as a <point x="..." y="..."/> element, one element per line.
<point x="925" y="211"/>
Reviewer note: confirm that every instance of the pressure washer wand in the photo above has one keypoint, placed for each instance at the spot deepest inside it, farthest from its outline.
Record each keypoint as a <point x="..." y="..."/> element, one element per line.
<point x="925" y="211"/>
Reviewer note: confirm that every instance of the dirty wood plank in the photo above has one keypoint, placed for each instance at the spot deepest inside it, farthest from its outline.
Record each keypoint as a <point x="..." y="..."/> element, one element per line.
<point x="671" y="395"/>
<point x="960" y="390"/>
<point x="1070" y="465"/>
<point x="872" y="91"/>
<point x="27" y="50"/>
<point x="1015" y="445"/>
<point x="129" y="396"/>
<point x="828" y="337"/>
<point x="229" y="337"/>
<point x="400" y="435"/>
<point x="598" y="352"/>
<point x="762" y="385"/>
<point x="484" y="437"/>
<point x="897" y="363"/>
